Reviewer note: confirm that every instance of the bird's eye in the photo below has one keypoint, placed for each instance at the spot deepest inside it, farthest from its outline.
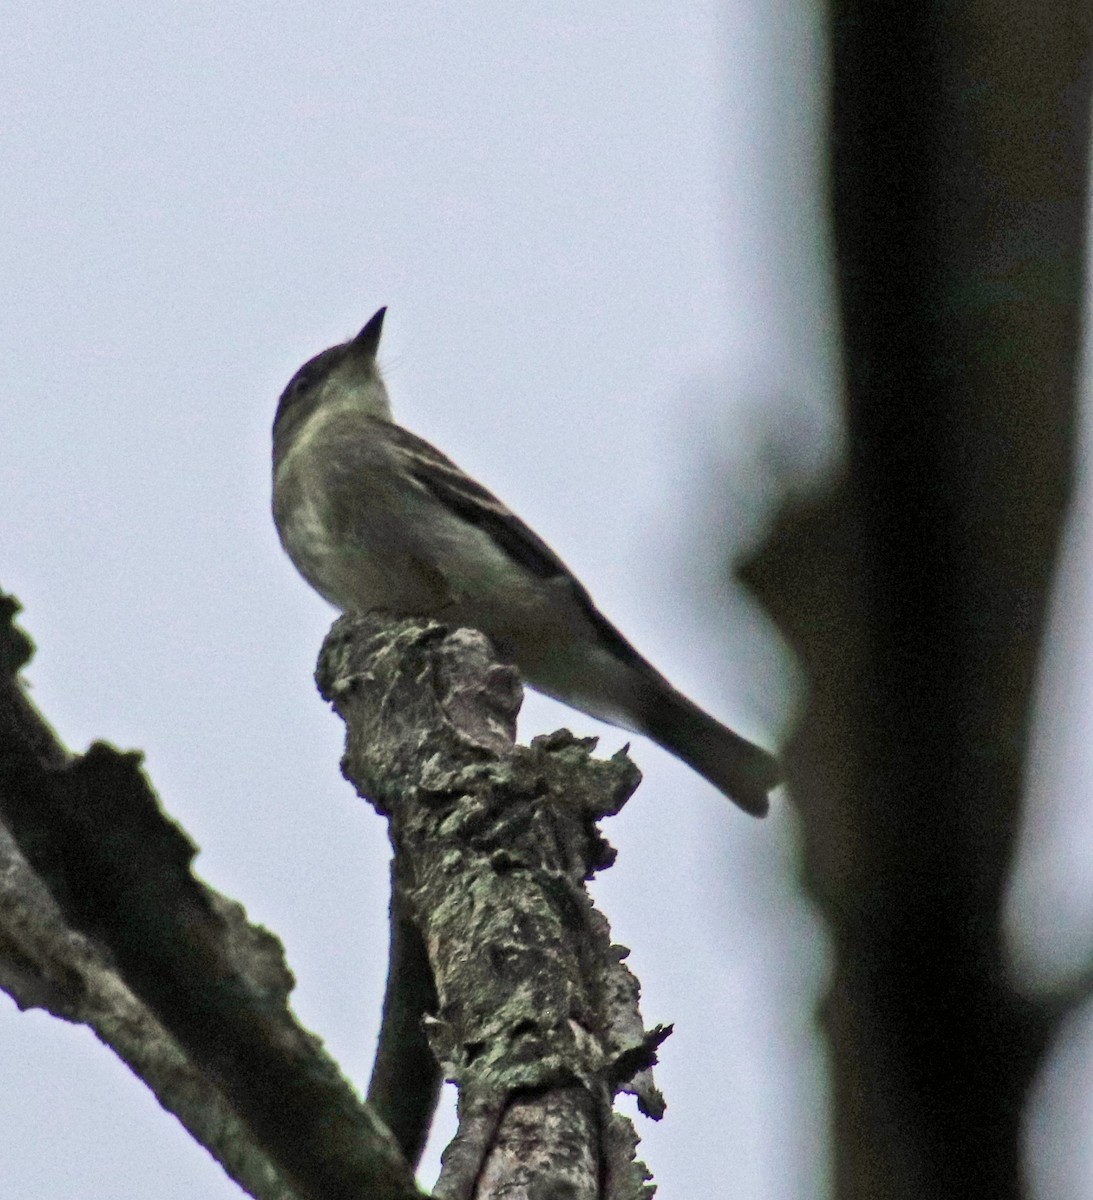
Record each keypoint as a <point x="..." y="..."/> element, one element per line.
<point x="301" y="385"/>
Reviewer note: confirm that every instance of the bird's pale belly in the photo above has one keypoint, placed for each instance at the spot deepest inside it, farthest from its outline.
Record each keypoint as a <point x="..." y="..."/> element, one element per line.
<point x="360" y="581"/>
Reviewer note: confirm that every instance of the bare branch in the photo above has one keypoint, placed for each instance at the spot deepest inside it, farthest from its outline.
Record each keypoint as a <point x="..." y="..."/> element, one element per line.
<point x="537" y="1017"/>
<point x="104" y="922"/>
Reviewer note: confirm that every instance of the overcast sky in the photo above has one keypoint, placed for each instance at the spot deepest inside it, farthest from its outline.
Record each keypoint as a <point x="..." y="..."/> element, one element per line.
<point x="597" y="227"/>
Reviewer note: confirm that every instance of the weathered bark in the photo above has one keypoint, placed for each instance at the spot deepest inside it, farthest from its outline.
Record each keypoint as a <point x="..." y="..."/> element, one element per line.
<point x="536" y="1018"/>
<point x="45" y="964"/>
<point x="102" y="921"/>
<point x="916" y="591"/>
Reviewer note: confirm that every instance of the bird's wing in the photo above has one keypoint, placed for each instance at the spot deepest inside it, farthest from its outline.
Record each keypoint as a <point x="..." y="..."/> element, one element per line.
<point x="459" y="493"/>
<point x="469" y="500"/>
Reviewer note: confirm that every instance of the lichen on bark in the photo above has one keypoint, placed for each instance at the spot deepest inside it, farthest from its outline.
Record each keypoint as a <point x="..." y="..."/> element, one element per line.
<point x="535" y="1011"/>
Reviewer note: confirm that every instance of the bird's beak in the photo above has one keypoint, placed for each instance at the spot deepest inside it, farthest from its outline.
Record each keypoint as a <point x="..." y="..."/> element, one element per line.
<point x="367" y="342"/>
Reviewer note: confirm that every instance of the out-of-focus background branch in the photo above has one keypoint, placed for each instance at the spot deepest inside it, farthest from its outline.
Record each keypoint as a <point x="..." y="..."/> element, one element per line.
<point x="916" y="588"/>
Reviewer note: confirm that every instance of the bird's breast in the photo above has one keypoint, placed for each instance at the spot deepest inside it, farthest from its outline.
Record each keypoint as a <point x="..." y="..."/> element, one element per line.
<point x="340" y="523"/>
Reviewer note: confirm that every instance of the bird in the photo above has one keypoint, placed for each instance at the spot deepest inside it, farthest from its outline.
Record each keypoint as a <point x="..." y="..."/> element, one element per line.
<point x="376" y="519"/>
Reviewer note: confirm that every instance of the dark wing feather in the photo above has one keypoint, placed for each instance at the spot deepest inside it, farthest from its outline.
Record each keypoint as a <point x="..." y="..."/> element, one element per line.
<point x="458" y="492"/>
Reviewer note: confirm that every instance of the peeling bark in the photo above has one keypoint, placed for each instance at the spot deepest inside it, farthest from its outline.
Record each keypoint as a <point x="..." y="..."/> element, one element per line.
<point x="103" y="922"/>
<point x="536" y="1016"/>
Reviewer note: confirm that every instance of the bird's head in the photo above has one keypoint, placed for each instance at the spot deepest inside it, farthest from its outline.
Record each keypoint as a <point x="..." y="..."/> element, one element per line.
<point x="344" y="374"/>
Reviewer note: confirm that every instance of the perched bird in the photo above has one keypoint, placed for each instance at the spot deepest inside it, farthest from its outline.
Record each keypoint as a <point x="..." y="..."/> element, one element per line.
<point x="374" y="518"/>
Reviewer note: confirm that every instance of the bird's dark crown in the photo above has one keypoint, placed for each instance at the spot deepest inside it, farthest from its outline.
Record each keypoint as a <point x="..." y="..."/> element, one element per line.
<point x="305" y="390"/>
<point x="304" y="394"/>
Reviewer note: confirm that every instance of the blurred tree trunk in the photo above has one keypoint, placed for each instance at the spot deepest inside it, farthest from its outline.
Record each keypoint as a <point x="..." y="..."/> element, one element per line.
<point x="916" y="591"/>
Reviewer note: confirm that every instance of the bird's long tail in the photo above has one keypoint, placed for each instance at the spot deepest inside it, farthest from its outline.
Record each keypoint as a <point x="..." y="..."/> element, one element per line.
<point x="743" y="771"/>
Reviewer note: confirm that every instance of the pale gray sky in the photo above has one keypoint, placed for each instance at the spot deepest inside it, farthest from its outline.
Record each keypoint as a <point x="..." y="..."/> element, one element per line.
<point x="598" y="231"/>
